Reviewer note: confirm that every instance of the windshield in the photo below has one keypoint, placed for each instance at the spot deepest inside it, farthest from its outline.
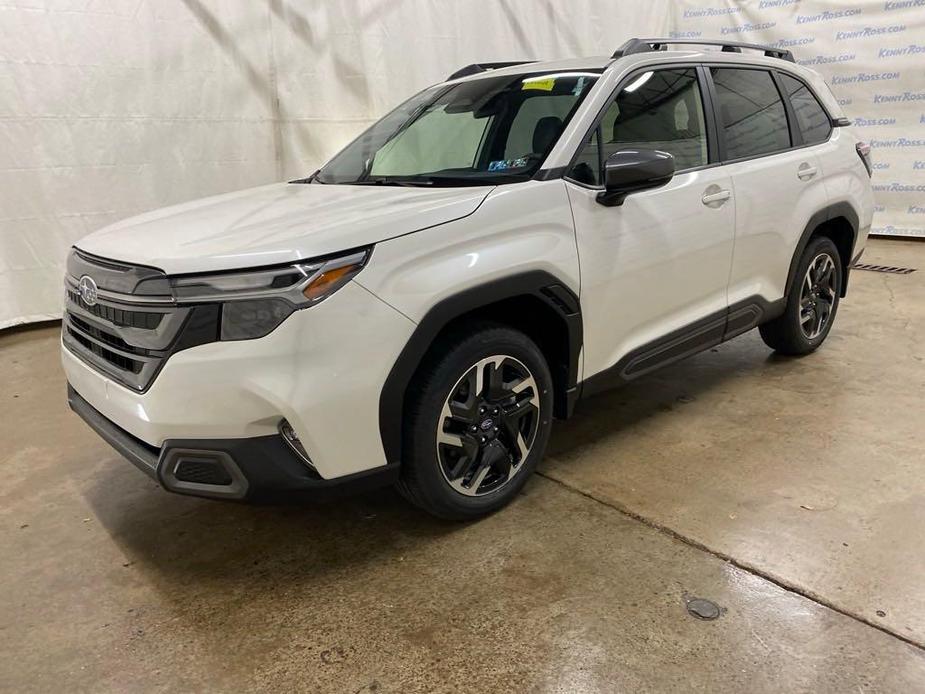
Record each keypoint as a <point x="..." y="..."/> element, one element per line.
<point x="480" y="132"/>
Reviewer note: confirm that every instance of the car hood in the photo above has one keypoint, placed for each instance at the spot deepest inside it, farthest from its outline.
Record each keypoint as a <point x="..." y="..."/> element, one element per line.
<point x="277" y="223"/>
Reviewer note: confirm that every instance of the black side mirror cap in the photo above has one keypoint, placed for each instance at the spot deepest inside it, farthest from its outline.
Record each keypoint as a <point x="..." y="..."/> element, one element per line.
<point x="631" y="170"/>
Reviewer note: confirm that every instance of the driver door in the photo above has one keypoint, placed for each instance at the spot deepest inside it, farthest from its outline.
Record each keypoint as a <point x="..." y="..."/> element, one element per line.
<point x="654" y="270"/>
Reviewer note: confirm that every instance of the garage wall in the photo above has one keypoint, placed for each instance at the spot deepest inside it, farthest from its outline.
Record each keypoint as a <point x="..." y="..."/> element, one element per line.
<point x="113" y="107"/>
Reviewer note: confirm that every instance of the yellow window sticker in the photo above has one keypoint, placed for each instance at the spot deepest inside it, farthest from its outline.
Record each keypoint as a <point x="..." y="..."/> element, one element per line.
<point x="541" y="84"/>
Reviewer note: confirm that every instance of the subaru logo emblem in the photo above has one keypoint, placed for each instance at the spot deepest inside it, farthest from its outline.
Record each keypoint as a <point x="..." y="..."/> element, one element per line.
<point x="487" y="424"/>
<point x="87" y="290"/>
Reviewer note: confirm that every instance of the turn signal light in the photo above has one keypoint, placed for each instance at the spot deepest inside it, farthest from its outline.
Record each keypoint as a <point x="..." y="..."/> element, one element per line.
<point x="329" y="281"/>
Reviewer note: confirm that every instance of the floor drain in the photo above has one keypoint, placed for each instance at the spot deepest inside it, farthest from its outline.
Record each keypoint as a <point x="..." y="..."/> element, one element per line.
<point x="701" y="608"/>
<point x="885" y="268"/>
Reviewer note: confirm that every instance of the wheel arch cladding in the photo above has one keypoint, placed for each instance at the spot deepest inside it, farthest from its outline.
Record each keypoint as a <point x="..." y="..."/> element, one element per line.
<point x="839" y="222"/>
<point x="536" y="303"/>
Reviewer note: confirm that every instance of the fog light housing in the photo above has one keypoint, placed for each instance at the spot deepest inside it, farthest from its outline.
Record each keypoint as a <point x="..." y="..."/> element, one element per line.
<point x="289" y="436"/>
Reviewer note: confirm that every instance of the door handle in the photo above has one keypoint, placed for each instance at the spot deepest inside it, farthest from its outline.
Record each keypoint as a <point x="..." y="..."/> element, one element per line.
<point x="806" y="171"/>
<point x="715" y="199"/>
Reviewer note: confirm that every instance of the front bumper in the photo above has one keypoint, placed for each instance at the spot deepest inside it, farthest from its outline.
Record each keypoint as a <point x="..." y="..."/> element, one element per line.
<point x="248" y="468"/>
<point x="321" y="370"/>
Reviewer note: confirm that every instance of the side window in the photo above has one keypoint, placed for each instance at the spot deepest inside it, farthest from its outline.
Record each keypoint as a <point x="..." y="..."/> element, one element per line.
<point x="750" y="112"/>
<point x="587" y="167"/>
<point x="659" y="109"/>
<point x="811" y="117"/>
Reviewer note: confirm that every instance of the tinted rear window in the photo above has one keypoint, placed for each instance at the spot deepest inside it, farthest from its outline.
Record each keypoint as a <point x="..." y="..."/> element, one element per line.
<point x="811" y="117"/>
<point x="751" y="112"/>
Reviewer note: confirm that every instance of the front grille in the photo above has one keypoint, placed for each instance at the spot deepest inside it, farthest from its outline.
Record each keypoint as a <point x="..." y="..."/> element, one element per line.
<point x="127" y="355"/>
<point x="108" y="338"/>
<point x="117" y="360"/>
<point x="146" y="320"/>
<point x="128" y="333"/>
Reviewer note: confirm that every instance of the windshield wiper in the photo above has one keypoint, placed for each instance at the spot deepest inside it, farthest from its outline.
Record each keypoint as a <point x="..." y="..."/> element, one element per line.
<point x="438" y="180"/>
<point x="313" y="178"/>
<point x="475" y="180"/>
<point x="389" y="182"/>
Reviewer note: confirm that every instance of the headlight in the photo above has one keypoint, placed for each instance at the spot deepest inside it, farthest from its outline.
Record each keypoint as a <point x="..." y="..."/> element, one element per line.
<point x="254" y="302"/>
<point x="245" y="320"/>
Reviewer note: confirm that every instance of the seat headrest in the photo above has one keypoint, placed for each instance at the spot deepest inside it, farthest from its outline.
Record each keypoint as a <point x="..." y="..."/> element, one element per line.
<point x="547" y="130"/>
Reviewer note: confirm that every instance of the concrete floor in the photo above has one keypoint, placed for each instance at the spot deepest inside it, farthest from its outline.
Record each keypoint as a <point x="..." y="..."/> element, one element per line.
<point x="790" y="492"/>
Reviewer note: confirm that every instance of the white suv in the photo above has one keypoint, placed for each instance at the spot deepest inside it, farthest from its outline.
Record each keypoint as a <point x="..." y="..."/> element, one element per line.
<point x="419" y="309"/>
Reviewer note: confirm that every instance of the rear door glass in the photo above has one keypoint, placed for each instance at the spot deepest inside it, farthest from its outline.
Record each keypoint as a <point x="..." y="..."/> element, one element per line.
<point x="751" y="112"/>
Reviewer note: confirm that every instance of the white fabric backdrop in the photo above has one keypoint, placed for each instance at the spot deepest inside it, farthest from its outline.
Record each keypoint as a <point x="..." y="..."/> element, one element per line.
<point x="112" y="107"/>
<point x="872" y="54"/>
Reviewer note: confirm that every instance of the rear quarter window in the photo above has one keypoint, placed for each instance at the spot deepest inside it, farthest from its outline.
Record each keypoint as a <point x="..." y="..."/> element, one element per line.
<point x="811" y="117"/>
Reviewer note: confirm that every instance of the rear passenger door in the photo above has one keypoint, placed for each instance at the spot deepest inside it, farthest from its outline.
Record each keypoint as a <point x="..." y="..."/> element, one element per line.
<point x="654" y="269"/>
<point x="776" y="176"/>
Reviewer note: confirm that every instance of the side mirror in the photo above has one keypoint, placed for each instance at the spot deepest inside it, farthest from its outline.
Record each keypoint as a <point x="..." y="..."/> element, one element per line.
<point x="631" y="170"/>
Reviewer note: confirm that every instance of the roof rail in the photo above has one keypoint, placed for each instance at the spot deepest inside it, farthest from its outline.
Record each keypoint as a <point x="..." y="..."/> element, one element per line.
<point x="634" y="46"/>
<point x="476" y="68"/>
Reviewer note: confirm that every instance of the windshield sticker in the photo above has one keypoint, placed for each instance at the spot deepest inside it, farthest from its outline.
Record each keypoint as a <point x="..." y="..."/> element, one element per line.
<point x="541" y="84"/>
<point x="579" y="85"/>
<point x="502" y="164"/>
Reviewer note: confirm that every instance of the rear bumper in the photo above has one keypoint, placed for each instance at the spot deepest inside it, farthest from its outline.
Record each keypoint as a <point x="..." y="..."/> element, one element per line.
<point x="244" y="468"/>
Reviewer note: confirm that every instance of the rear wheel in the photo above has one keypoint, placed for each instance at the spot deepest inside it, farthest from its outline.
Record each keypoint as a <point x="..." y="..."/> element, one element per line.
<point x="478" y="423"/>
<point x="812" y="302"/>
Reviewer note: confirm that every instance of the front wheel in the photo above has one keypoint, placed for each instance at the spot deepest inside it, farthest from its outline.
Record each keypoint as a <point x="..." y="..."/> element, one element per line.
<point x="811" y="304"/>
<point x="478" y="422"/>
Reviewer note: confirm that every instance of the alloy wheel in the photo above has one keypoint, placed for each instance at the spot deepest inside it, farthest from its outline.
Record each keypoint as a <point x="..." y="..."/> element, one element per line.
<point x="487" y="426"/>
<point x="817" y="296"/>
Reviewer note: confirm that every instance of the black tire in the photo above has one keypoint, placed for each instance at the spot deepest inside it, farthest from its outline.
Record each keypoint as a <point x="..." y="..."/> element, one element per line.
<point x="447" y="371"/>
<point x="807" y="301"/>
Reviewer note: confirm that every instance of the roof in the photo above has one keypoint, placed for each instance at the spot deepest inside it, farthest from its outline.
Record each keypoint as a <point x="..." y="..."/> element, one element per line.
<point x="596" y="63"/>
<point x="640" y="51"/>
<point x="641" y="59"/>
